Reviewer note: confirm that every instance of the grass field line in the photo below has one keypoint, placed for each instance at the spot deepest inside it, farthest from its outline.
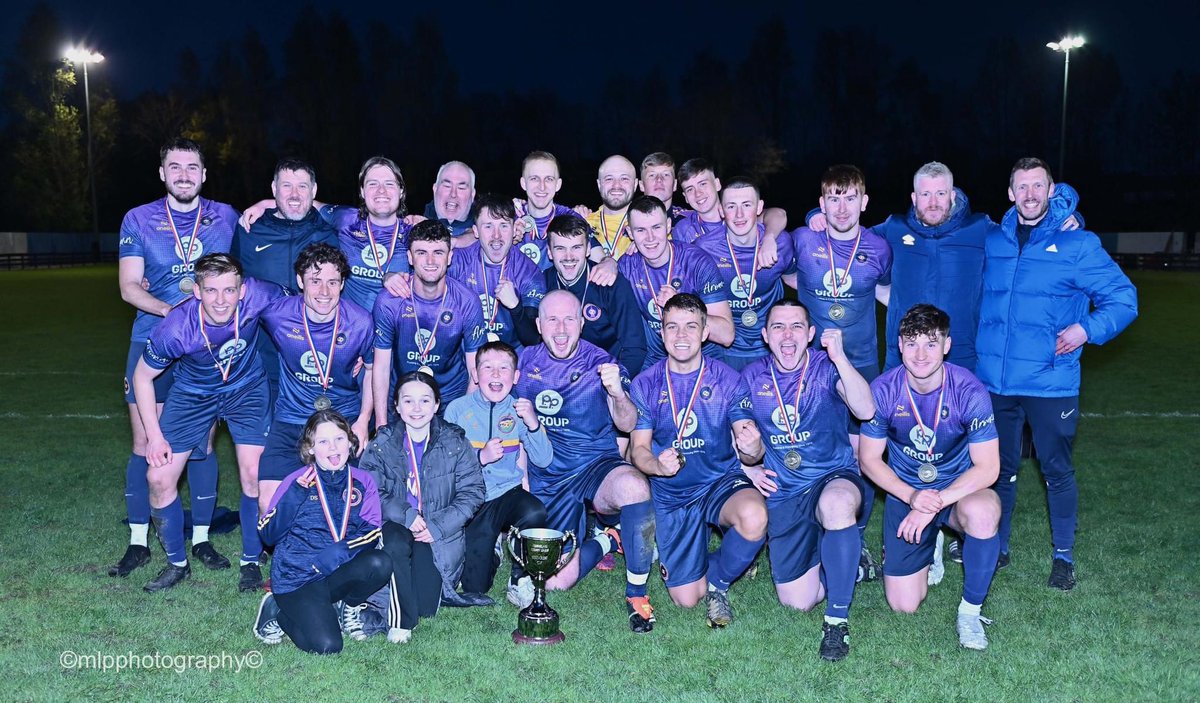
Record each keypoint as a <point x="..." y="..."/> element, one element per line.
<point x="87" y="416"/>
<point x="55" y="373"/>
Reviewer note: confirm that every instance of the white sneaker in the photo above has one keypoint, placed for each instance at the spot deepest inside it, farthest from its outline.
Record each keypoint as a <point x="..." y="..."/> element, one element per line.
<point x="937" y="570"/>
<point x="399" y="635"/>
<point x="520" y="594"/>
<point x="970" y="631"/>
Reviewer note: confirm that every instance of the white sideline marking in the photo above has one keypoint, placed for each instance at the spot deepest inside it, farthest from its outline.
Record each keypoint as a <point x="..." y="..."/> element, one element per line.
<point x="55" y="373"/>
<point x="1109" y="416"/>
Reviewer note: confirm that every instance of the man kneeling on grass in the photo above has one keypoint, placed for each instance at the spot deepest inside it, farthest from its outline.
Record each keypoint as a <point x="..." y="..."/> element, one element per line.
<point x="935" y="419"/>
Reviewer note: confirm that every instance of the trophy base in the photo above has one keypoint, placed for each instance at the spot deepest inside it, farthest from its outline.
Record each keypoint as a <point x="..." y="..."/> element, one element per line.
<point x="518" y="638"/>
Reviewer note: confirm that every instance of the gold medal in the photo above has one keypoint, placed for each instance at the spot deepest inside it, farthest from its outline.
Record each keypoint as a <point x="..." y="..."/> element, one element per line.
<point x="425" y="370"/>
<point x="322" y="402"/>
<point x="749" y="318"/>
<point x="927" y="472"/>
<point x="792" y="459"/>
<point x="682" y="460"/>
<point x="186" y="285"/>
<point x="493" y="337"/>
<point x="837" y="311"/>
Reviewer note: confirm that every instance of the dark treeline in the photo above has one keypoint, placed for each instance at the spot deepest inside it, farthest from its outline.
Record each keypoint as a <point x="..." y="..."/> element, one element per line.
<point x="782" y="115"/>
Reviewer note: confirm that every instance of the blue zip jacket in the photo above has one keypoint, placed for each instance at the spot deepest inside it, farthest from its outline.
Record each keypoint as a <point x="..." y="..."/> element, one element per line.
<point x="1030" y="294"/>
<point x="305" y="550"/>
<point x="940" y="265"/>
<point x="268" y="251"/>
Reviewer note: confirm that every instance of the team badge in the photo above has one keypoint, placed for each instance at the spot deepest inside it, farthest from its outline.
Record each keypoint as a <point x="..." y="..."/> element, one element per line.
<point x="575" y="377"/>
<point x="447" y="317"/>
<point x="507" y="423"/>
<point x="206" y="220"/>
<point x="945" y="412"/>
<point x="591" y="312"/>
<point x="355" y="496"/>
<point x="341" y="339"/>
<point x="861" y="258"/>
<point x="706" y="392"/>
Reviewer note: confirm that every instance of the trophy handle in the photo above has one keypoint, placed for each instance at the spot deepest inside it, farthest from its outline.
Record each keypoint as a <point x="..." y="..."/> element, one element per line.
<point x="567" y="553"/>
<point x="513" y="534"/>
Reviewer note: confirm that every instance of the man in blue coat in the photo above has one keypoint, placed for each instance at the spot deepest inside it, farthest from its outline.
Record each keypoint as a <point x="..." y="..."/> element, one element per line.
<point x="1046" y="292"/>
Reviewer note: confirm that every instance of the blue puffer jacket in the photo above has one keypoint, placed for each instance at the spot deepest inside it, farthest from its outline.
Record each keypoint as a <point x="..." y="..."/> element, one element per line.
<point x="1031" y="294"/>
<point x="940" y="265"/>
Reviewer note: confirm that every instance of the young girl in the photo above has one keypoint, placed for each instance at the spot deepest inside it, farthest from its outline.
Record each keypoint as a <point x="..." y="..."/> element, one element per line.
<point x="324" y="522"/>
<point x="430" y="485"/>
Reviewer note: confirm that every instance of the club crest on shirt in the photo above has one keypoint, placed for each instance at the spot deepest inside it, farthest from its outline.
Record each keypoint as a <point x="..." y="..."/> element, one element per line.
<point x="861" y="258"/>
<point x="374" y="254"/>
<point x="193" y="247"/>
<point x="447" y="316"/>
<point x="777" y="419"/>
<point x="740" y="285"/>
<point x="689" y="427"/>
<point x="355" y="496"/>
<point x="531" y="250"/>
<point x="844" y="282"/>
<point x="591" y="312"/>
<point x="306" y="362"/>
<point x="706" y="392"/>
<point x="231" y="348"/>
<point x="548" y="402"/>
<point x="575" y="376"/>
<point x="206" y="221"/>
<point x="507" y="423"/>
<point x="919" y="438"/>
<point x="341" y="339"/>
<point x="945" y="412"/>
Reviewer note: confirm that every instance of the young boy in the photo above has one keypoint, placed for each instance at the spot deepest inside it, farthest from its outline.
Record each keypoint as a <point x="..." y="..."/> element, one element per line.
<point x="499" y="427"/>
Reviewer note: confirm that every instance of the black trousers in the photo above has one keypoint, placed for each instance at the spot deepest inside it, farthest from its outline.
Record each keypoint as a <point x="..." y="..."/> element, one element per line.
<point x="516" y="507"/>
<point x="416" y="583"/>
<point x="306" y="614"/>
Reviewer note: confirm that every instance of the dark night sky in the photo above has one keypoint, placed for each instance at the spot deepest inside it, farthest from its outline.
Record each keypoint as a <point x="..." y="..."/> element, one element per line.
<point x="523" y="45"/>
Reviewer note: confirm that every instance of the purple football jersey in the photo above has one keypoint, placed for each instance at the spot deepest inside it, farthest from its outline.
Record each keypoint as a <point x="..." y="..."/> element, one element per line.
<point x="211" y="357"/>
<point x="434" y="333"/>
<point x="848" y="283"/>
<point x="818" y="422"/>
<point x="942" y="437"/>
<point x="691" y="271"/>
<point x="146" y="231"/>
<point x="298" y="339"/>
<point x="707" y="442"/>
<point x="572" y="405"/>
<point x="371" y="249"/>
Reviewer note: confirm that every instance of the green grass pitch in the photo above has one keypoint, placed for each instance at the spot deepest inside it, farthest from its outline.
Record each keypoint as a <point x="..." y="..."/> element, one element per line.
<point x="1130" y="631"/>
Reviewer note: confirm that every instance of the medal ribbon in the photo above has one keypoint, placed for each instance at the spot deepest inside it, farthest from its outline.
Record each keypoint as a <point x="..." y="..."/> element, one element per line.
<point x="737" y="269"/>
<point x="424" y="353"/>
<point x="670" y="276"/>
<point x="324" y="374"/>
<point x="338" y="535"/>
<point x="791" y="431"/>
<point x="237" y="323"/>
<point x="937" y="420"/>
<point x="604" y="241"/>
<point x="414" y="485"/>
<point x="187" y="256"/>
<point x="483" y="264"/>
<point x="391" y="250"/>
<point x="834" y="281"/>
<point x="679" y="428"/>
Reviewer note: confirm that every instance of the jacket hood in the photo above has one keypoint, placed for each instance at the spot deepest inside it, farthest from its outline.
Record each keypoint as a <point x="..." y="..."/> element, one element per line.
<point x="960" y="211"/>
<point x="1062" y="207"/>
